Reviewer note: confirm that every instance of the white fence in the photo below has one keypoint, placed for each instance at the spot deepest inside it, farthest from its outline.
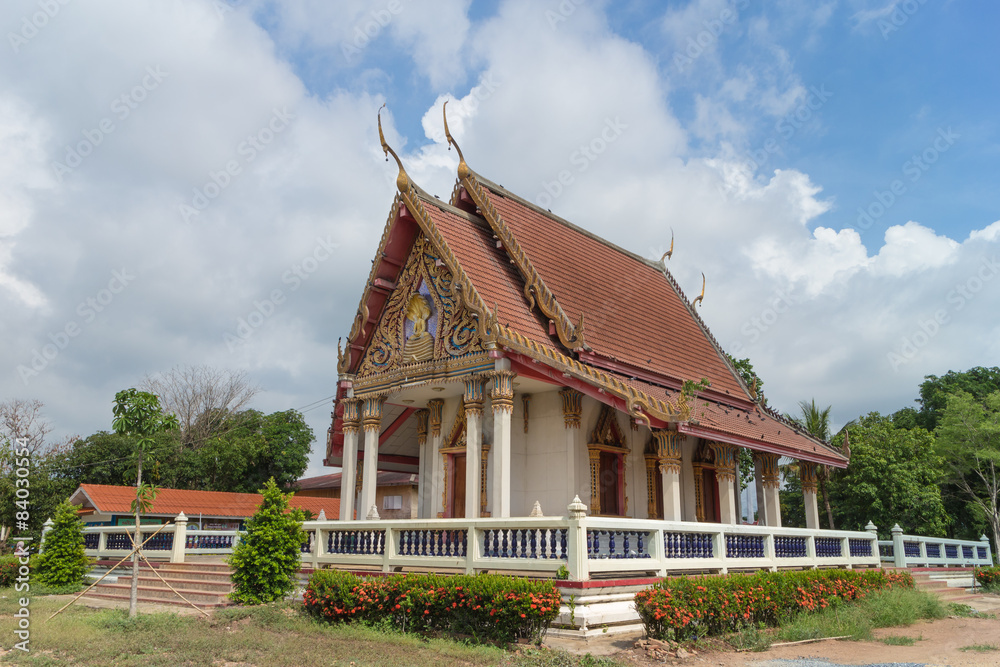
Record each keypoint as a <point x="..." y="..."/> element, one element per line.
<point x="915" y="551"/>
<point x="579" y="546"/>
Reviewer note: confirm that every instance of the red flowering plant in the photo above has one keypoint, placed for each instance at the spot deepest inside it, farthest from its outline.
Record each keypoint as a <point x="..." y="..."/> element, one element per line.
<point x="989" y="577"/>
<point x="688" y="607"/>
<point x="489" y="608"/>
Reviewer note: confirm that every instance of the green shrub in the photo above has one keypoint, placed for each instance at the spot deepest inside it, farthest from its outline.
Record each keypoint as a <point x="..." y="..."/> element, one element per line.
<point x="269" y="552"/>
<point x="8" y="570"/>
<point x="487" y="607"/>
<point x="696" y="606"/>
<point x="989" y="578"/>
<point x="63" y="561"/>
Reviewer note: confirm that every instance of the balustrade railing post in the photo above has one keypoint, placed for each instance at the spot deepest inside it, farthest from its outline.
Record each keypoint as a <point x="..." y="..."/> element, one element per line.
<point x="319" y="547"/>
<point x="576" y="545"/>
<point x="471" y="549"/>
<point x="989" y="552"/>
<point x="656" y="551"/>
<point x="719" y="538"/>
<point x="898" y="550"/>
<point x="845" y="552"/>
<point x="102" y="543"/>
<point x="769" y="552"/>
<point x="923" y="552"/>
<point x="389" y="547"/>
<point x="811" y="550"/>
<point x="180" y="538"/>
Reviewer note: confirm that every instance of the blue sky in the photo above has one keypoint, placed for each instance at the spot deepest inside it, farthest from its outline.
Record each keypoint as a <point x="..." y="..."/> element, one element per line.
<point x="752" y="131"/>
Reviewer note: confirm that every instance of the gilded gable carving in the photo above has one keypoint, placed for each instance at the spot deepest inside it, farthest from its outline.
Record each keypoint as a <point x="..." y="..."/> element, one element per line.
<point x="607" y="431"/>
<point x="424" y="319"/>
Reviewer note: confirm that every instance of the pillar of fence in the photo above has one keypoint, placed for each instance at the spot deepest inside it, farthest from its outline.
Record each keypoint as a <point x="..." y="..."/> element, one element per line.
<point x="898" y="551"/>
<point x="180" y="538"/>
<point x="576" y="556"/>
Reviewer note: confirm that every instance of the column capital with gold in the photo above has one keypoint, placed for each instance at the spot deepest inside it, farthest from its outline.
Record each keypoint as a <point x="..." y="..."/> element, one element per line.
<point x="371" y="412"/>
<point x="502" y="391"/>
<point x="807" y="474"/>
<point x="668" y="450"/>
<point x="572" y="406"/>
<point x="352" y="415"/>
<point x="769" y="477"/>
<point x="435" y="406"/>
<point x="473" y="396"/>
<point x="726" y="457"/>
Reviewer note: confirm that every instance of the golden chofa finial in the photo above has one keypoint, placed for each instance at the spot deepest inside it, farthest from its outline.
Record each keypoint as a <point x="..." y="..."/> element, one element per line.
<point x="670" y="253"/>
<point x="402" y="180"/>
<point x="701" y="297"/>
<point x="463" y="168"/>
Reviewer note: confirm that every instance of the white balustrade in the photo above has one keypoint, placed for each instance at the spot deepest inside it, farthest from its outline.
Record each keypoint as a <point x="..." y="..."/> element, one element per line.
<point x="915" y="551"/>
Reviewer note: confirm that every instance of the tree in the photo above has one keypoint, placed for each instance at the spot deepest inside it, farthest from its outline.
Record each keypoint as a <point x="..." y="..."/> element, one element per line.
<point x="63" y="560"/>
<point x="969" y="436"/>
<point x="138" y="414"/>
<point x="269" y="552"/>
<point x="202" y="397"/>
<point x="934" y="391"/>
<point x="893" y="477"/>
<point x="749" y="377"/>
<point x="25" y="444"/>
<point x="817" y="423"/>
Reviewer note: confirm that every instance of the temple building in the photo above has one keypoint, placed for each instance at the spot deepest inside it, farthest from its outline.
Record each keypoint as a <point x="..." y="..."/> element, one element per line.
<point x="507" y="356"/>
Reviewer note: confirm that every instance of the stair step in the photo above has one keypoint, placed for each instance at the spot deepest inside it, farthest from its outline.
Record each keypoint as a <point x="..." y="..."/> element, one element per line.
<point x="189" y="584"/>
<point x="122" y="591"/>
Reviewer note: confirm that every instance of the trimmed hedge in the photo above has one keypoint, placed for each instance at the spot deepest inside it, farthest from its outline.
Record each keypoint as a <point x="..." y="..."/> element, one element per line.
<point x="487" y="607"/>
<point x="989" y="577"/>
<point x="686" y="607"/>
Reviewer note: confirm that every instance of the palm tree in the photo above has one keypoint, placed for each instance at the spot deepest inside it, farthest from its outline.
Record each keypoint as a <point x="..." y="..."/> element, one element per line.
<point x="817" y="423"/>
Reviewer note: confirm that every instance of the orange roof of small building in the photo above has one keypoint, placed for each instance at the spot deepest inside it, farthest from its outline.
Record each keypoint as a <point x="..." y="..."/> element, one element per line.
<point x="109" y="499"/>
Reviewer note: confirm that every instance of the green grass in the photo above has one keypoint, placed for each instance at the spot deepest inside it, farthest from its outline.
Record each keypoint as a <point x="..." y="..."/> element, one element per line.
<point x="899" y="641"/>
<point x="277" y="634"/>
<point x="981" y="648"/>
<point x="896" y="607"/>
<point x="750" y="638"/>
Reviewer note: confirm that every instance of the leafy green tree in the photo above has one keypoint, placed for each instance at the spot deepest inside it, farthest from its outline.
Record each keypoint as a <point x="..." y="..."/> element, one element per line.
<point x="138" y="414"/>
<point x="63" y="561"/>
<point x="893" y="477"/>
<point x="934" y="391"/>
<point x="749" y="376"/>
<point x="969" y="436"/>
<point x="269" y="552"/>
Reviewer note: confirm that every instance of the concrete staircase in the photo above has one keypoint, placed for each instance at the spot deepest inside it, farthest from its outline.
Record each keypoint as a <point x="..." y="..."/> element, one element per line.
<point x="949" y="584"/>
<point x="204" y="584"/>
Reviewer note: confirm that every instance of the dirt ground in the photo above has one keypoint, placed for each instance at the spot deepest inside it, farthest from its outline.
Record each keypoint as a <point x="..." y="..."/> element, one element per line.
<point x="937" y="643"/>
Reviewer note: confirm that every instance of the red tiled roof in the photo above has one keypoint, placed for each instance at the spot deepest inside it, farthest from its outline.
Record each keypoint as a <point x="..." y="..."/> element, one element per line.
<point x="332" y="481"/>
<point x="633" y="312"/>
<point x="171" y="502"/>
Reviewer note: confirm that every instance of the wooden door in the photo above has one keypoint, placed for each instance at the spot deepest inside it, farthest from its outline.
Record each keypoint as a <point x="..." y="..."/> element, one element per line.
<point x="609" y="483"/>
<point x="710" y="495"/>
<point x="458" y="483"/>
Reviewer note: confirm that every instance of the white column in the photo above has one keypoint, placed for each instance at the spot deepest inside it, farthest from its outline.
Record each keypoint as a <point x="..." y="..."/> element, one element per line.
<point x="349" y="461"/>
<point x="435" y="465"/>
<point x="725" y="474"/>
<point x="770" y="483"/>
<point x="807" y="473"/>
<point x="423" y="463"/>
<point x="668" y="450"/>
<point x="180" y="538"/>
<point x="371" y="419"/>
<point x="502" y="399"/>
<point x="572" y="405"/>
<point x="473" y="444"/>
<point x="758" y="483"/>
